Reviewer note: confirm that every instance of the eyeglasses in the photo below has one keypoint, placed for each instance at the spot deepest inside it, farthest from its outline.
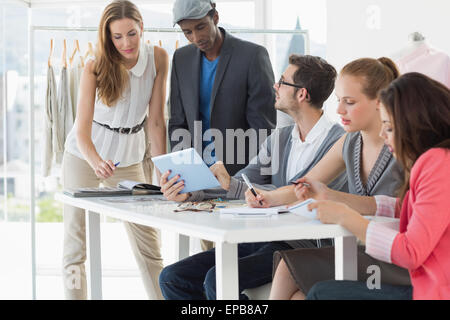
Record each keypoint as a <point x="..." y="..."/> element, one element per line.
<point x="281" y="81"/>
<point x="195" y="206"/>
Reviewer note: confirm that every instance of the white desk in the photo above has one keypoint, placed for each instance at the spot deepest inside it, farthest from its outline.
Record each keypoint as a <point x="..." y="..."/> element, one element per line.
<point x="226" y="232"/>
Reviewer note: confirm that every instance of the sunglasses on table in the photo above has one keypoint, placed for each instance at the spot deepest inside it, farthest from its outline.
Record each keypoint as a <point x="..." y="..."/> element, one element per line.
<point x="195" y="206"/>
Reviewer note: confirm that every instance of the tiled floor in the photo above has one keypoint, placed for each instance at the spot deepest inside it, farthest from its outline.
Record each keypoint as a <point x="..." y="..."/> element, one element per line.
<point x="121" y="279"/>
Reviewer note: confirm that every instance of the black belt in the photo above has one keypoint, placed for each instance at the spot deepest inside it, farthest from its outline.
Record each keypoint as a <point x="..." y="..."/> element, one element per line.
<point x="135" y="129"/>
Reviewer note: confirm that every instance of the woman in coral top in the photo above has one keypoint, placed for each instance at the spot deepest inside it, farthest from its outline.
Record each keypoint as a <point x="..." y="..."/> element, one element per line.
<point x="415" y="111"/>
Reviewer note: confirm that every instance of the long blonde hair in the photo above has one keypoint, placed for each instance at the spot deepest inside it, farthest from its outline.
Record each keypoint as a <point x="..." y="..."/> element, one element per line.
<point x="112" y="76"/>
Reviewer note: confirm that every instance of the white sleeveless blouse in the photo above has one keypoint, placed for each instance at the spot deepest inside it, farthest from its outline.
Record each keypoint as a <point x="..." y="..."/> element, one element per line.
<point x="129" y="111"/>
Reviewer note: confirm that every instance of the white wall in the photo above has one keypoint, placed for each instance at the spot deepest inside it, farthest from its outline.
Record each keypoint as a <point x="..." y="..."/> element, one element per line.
<point x="374" y="28"/>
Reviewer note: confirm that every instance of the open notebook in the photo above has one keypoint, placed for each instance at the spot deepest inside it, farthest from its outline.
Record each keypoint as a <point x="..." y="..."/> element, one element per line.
<point x="299" y="208"/>
<point x="124" y="188"/>
<point x="254" y="211"/>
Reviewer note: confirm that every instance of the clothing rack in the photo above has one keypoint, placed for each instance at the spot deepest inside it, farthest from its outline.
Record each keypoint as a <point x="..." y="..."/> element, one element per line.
<point x="31" y="71"/>
<point x="305" y="33"/>
<point x="173" y="30"/>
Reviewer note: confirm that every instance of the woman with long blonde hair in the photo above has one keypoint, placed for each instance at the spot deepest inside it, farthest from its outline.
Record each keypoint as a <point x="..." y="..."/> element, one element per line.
<point x="121" y="91"/>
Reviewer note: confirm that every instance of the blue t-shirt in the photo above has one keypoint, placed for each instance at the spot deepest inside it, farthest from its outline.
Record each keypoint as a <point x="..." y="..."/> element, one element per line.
<point x="207" y="76"/>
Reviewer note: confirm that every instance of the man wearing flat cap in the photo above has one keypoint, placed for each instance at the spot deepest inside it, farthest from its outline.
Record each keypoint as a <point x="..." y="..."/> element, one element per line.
<point x="220" y="86"/>
<point x="223" y="84"/>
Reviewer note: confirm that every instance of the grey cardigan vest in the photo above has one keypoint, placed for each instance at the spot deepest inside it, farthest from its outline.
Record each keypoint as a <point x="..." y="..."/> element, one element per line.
<point x="385" y="177"/>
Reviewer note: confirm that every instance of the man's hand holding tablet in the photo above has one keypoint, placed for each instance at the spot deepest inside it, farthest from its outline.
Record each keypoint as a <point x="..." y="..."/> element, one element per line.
<point x="171" y="188"/>
<point x="184" y="172"/>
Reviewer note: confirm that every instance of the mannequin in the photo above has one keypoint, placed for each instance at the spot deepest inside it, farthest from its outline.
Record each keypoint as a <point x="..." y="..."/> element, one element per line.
<point x="416" y="37"/>
<point x="419" y="56"/>
<point x="416" y="40"/>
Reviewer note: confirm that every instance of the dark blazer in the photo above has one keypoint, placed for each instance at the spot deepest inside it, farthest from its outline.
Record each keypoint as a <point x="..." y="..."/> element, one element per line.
<point x="242" y="98"/>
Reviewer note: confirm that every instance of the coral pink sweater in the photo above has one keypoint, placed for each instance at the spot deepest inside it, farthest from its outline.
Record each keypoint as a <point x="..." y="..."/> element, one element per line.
<point x="422" y="242"/>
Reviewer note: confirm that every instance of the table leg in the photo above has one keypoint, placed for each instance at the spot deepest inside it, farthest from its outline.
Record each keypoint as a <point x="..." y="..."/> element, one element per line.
<point x="346" y="258"/>
<point x="94" y="255"/>
<point x="182" y="246"/>
<point x="227" y="274"/>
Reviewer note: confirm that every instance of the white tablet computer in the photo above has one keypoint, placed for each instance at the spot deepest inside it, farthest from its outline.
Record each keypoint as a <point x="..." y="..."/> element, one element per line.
<point x="191" y="168"/>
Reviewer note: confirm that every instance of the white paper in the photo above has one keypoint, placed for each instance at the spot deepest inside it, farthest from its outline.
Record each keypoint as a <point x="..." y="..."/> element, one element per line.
<point x="247" y="211"/>
<point x="128" y="184"/>
<point x="302" y="209"/>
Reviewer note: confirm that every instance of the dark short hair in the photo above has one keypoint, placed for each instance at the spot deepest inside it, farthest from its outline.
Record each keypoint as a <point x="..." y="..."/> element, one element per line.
<point x="315" y="75"/>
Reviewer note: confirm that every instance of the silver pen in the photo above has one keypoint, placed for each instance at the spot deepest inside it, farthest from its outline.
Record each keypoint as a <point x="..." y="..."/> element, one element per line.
<point x="249" y="185"/>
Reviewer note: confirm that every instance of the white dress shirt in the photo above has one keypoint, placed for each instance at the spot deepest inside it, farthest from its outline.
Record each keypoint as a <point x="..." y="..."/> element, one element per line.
<point x="302" y="153"/>
<point x="129" y="111"/>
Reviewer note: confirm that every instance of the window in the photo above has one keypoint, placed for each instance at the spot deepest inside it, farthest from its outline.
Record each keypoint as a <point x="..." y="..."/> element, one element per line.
<point x="299" y="14"/>
<point x="15" y="239"/>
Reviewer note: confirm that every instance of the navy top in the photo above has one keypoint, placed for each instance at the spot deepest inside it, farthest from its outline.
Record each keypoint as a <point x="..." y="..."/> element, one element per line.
<point x="207" y="77"/>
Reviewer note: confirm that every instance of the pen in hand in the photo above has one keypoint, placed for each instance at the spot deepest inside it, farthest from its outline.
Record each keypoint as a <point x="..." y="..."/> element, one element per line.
<point x="249" y="185"/>
<point x="303" y="183"/>
<point x="116" y="164"/>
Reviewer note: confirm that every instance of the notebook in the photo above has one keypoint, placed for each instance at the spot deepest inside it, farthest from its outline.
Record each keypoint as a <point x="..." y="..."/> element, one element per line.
<point x="300" y="208"/>
<point x="254" y="211"/>
<point x="124" y="188"/>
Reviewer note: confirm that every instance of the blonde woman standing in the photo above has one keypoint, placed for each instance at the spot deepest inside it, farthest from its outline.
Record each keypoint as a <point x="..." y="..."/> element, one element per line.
<point x="119" y="89"/>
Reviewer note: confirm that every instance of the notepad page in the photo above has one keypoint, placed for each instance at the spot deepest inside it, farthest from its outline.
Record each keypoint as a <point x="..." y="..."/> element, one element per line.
<point x="254" y="211"/>
<point x="302" y="209"/>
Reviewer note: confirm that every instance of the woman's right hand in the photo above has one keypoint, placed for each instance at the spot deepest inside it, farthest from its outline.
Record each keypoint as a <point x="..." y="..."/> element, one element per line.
<point x="104" y="169"/>
<point x="171" y="188"/>
<point x="315" y="189"/>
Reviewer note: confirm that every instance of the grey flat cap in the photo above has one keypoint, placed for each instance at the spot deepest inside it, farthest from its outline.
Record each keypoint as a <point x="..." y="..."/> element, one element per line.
<point x="190" y="9"/>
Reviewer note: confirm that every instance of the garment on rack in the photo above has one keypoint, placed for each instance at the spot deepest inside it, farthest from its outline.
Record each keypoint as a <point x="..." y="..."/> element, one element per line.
<point x="427" y="60"/>
<point x="75" y="75"/>
<point x="65" y="113"/>
<point x="51" y="122"/>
